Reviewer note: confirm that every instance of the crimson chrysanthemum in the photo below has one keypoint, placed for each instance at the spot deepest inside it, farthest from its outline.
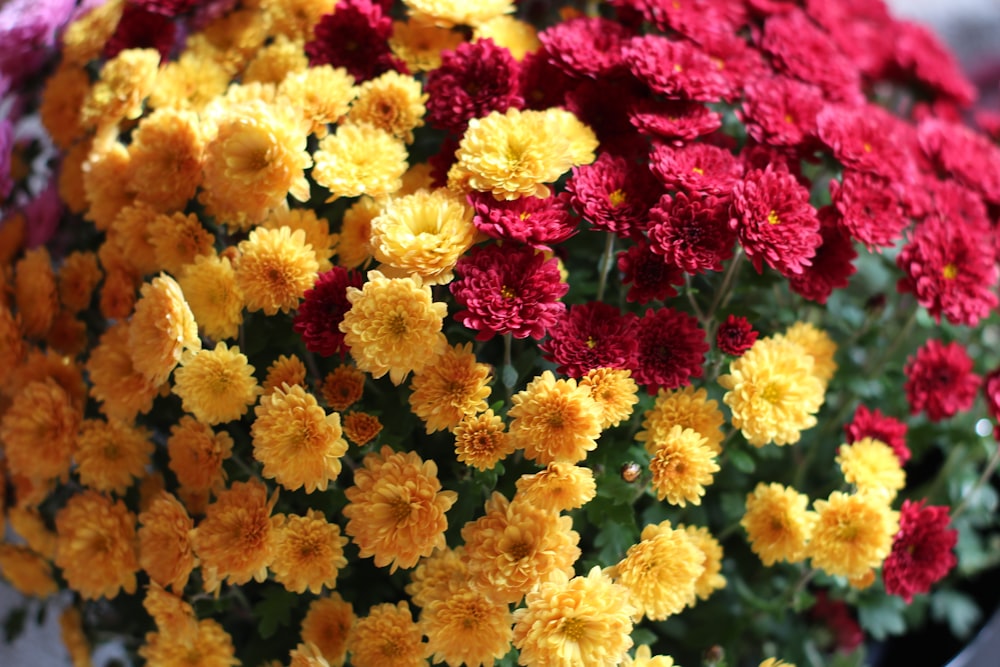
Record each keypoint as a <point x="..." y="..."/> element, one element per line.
<point x="671" y="349"/>
<point x="614" y="194"/>
<point x="535" y="221"/>
<point x="585" y="46"/>
<point x="867" y="138"/>
<point x="677" y="69"/>
<point x="940" y="381"/>
<point x="322" y="311"/>
<point x="354" y="36"/>
<point x="697" y="168"/>
<point x="648" y="275"/>
<point x="832" y="265"/>
<point x="873" y="424"/>
<point x="676" y="121"/>
<point x="869" y="208"/>
<point x="592" y="335"/>
<point x="140" y="28"/>
<point x="735" y="336"/>
<point x="691" y="232"/>
<point x="780" y="111"/>
<point x="922" y="551"/>
<point x="473" y="80"/>
<point x="507" y="289"/>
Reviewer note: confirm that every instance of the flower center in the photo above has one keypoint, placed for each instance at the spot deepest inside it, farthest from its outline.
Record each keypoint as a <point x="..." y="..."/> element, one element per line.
<point x="771" y="393"/>
<point x="399" y="509"/>
<point x="397" y="325"/>
<point x="507" y="293"/>
<point x="772" y="218"/>
<point x="617" y="198"/>
<point x="950" y="271"/>
<point x="519" y="550"/>
<point x="573" y="628"/>
<point x="591" y="343"/>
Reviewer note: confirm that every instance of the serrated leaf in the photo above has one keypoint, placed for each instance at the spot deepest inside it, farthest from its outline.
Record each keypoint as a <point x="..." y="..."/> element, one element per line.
<point x="274" y="611"/>
<point x="882" y="616"/>
<point x="958" y="610"/>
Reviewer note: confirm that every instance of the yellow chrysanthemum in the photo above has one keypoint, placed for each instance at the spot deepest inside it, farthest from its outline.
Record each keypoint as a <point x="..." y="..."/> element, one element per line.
<point x="172" y="615"/>
<point x="682" y="466"/>
<point x="216" y="300"/>
<point x="424" y="234"/>
<point x="457" y="12"/>
<point x="778" y="524"/>
<point x="515" y="546"/>
<point x="38" y="431"/>
<point x="519" y="37"/>
<point x="285" y="370"/>
<point x="688" y="408"/>
<point x="326" y="626"/>
<point x="419" y="44"/>
<point x="62" y="100"/>
<point x="111" y="455"/>
<point x="96" y="547"/>
<point x="580" y="621"/>
<point x="359" y="159"/>
<point x="166" y="157"/>
<point x="775" y="662"/>
<point x="316" y="229"/>
<point x="78" y="277"/>
<point x="130" y="234"/>
<point x="387" y="637"/>
<point x="393" y="326"/>
<point x="773" y="391"/>
<point x="644" y="658"/>
<point x="306" y="655"/>
<point x="233" y="38"/>
<point x="122" y="390"/>
<point x="420" y="176"/>
<point x="275" y="269"/>
<point x="309" y="553"/>
<point x="105" y="183"/>
<point x="85" y="37"/>
<point x="560" y="487"/>
<point x="342" y="387"/>
<point x="237" y="538"/>
<point x="818" y="345"/>
<point x="177" y="240"/>
<point x="162" y="328"/>
<point x="164" y="540"/>
<point x="295" y="19"/>
<point x="853" y="533"/>
<point x="514" y="154"/>
<point x="28" y="523"/>
<point x="355" y="248"/>
<point x="322" y="95"/>
<point x="871" y="465"/>
<point x="467" y="628"/>
<point x="482" y="440"/>
<point x="125" y="81"/>
<point x="211" y="646"/>
<point x="36" y="292"/>
<point x="216" y="386"/>
<point x="27" y="572"/>
<point x="298" y="443"/>
<point x="710" y="580"/>
<point x="396" y="508"/>
<point x="614" y="390"/>
<point x="554" y="420"/>
<point x="661" y="571"/>
<point x="361" y="427"/>
<point x="188" y="83"/>
<point x="449" y="388"/>
<point x="196" y="455"/>
<point x="40" y="366"/>
<point x="276" y="60"/>
<point x="438" y="576"/>
<point x="392" y="102"/>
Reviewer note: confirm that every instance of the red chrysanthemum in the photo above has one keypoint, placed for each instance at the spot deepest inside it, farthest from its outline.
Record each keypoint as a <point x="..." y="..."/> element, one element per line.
<point x="166" y="7"/>
<point x="869" y="208"/>
<point x="774" y="221"/>
<point x="735" y="336"/>
<point x="696" y="167"/>
<point x="473" y="80"/>
<point x="141" y="28"/>
<point x="873" y="424"/>
<point x="693" y="19"/>
<point x="868" y="138"/>
<point x="613" y="194"/>
<point x="780" y="111"/>
<point x="586" y="46"/>
<point x="535" y="221"/>
<point x="540" y="83"/>
<point x="964" y="154"/>
<point x="322" y="311"/>
<point x="940" y="381"/>
<point x="671" y="350"/>
<point x="991" y="391"/>
<point x="949" y="270"/>
<point x="836" y="616"/>
<point x="356" y="37"/>
<point x="603" y="106"/>
<point x="648" y="275"/>
<point x="862" y="30"/>
<point x="833" y="264"/>
<point x="921" y="54"/>
<point x="674" y="121"/>
<point x="737" y="61"/>
<point x="678" y="69"/>
<point x="592" y="335"/>
<point x="692" y="232"/>
<point x="508" y="289"/>
<point x="922" y="551"/>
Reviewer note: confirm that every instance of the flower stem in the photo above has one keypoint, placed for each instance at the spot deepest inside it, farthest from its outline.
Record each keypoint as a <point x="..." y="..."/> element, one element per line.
<point x="722" y="296"/>
<point x="508" y="374"/>
<point x="604" y="268"/>
<point x="988" y="471"/>
<point x="694" y="302"/>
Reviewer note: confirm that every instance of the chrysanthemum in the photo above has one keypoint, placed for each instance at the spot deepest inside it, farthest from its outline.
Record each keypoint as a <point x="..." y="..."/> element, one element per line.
<point x="26" y="572"/>
<point x="96" y="548"/>
<point x="393" y="102"/>
<point x="661" y="571"/>
<point x="298" y="443"/>
<point x="472" y="80"/>
<point x="648" y="276"/>
<point x="210" y="645"/>
<point x="354" y="249"/>
<point x="197" y="454"/>
<point x="466" y="628"/>
<point x="440" y="575"/>
<point x="873" y="424"/>
<point x="482" y="440"/>
<point x="61" y="101"/>
<point x="833" y="264"/>
<point x="671" y="349"/>
<point x="275" y="268"/>
<point x="818" y="345"/>
<point x="284" y="370"/>
<point x="322" y="93"/>
<point x="515" y="546"/>
<point x="165" y="158"/>
<point x="164" y="542"/>
<point x="189" y="83"/>
<point x="554" y="420"/>
<point x="360" y="159"/>
<point x="644" y="658"/>
<point x="691" y="232"/>
<point x="517" y="36"/>
<point x="78" y="276"/>
<point x="853" y="533"/>
<point x="583" y="620"/>
<point x="306" y="655"/>
<point x="387" y="637"/>
<point x="170" y="612"/>
<point x="682" y="465"/>
<point x="735" y="336"/>
<point x="216" y="386"/>
<point x="342" y="387"/>
<point x="922" y="550"/>
<point x="162" y="328"/>
<point x="236" y="540"/>
<point x="396" y="508"/>
<point x="592" y="335"/>
<point x="614" y="391"/>
<point x="110" y="455"/>
<point x="210" y="287"/>
<point x="451" y="387"/>
<point x="125" y="81"/>
<point x="361" y="427"/>
<point x="777" y="522"/>
<point x="317" y="231"/>
<point x="39" y="431"/>
<point x="122" y="390"/>
<point x="535" y="221"/>
<point x="30" y="526"/>
<point x="692" y="74"/>
<point x="105" y="183"/>
<point x="710" y="580"/>
<point x="871" y="465"/>
<point x="355" y="36"/>
<point x="560" y="487"/>
<point x="322" y="310"/>
<point x="297" y="18"/>
<point x="36" y="292"/>
<point x="393" y="326"/>
<point x="177" y="239"/>
<point x="940" y="381"/>
<point x="275" y="61"/>
<point x="71" y="629"/>
<point x="773" y="391"/>
<point x="309" y="553"/>
<point x="326" y="626"/>
<point x="455" y="12"/>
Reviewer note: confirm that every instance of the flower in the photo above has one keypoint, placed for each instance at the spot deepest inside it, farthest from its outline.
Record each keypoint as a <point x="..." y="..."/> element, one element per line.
<point x="393" y="102"/>
<point x="818" y="345"/>
<point x="27" y="572"/>
<point x="420" y="44"/>
<point x="284" y="370"/>
<point x="688" y="408"/>
<point x="777" y="522"/>
<point x="710" y="580"/>
<point x="210" y="645"/>
<point x="275" y="268"/>
<point x="216" y="386"/>
<point x="453" y="386"/>
<point x="96" y="545"/>
<point x="853" y="533"/>
<point x="671" y="349"/>
<point x="316" y="229"/>
<point x="505" y="289"/>
<point x="125" y="81"/>
<point x="78" y="278"/>
<point x="342" y="387"/>
<point x="773" y="392"/>
<point x="387" y="637"/>
<point x="166" y="157"/>
<point x="591" y="335"/>
<point x="177" y="239"/>
<point x="322" y="310"/>
<point x="448" y="13"/>
<point x="699" y="167"/>
<point x="161" y="330"/>
<point x="298" y="443"/>
<point x="693" y="75"/>
<point x="308" y="553"/>
<point x="583" y="620"/>
<point x="614" y="391"/>
<point x="236" y="540"/>
<point x="114" y="380"/>
<point x="110" y="455"/>
<point x="735" y="336"/>
<point x="359" y="159"/>
<point x="396" y="508"/>
<point x="922" y="551"/>
<point x="649" y="276"/>
<point x="393" y="326"/>
<point x="361" y="427"/>
<point x="682" y="464"/>
<point x="691" y="233"/>
<point x="940" y="381"/>
<point x="661" y="571"/>
<point x="472" y="80"/>
<point x="164" y="542"/>
<point x="141" y="28"/>
<point x="196" y="455"/>
<point x="323" y="93"/>
<point x="354" y="36"/>
<point x="554" y="420"/>
<point x="832" y="265"/>
<point x="871" y="465"/>
<point x="586" y="46"/>
<point x="481" y="440"/>
<point x="326" y="626"/>
<point x="73" y="637"/>
<point x="560" y="487"/>
<point x="539" y="222"/>
<point x="36" y="292"/>
<point x="39" y="431"/>
<point x="873" y="424"/>
<point x="440" y="575"/>
<point x="644" y="658"/>
<point x="170" y="612"/>
<point x="466" y="627"/>
<point x="515" y="546"/>
<point x="216" y="301"/>
<point x="869" y="209"/>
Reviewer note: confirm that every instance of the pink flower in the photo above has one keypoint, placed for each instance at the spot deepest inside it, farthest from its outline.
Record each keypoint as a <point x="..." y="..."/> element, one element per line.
<point x="868" y="138"/>
<point x="869" y="208"/>
<point x="692" y="232"/>
<point x="356" y="37"/>
<point x="780" y="111"/>
<point x="940" y="381"/>
<point x="586" y="46"/>
<point x="649" y="277"/>
<point x="677" y="69"/>
<point x="922" y="551"/>
<point x="535" y="221"/>
<point x="697" y="167"/>
<point x="592" y="335"/>
<point x="613" y="194"/>
<point x="473" y="80"/>
<point x="873" y="424"/>
<point x="676" y="121"/>
<point x="322" y="310"/>
<point x="921" y="54"/>
<point x="671" y="350"/>
<point x="833" y="264"/>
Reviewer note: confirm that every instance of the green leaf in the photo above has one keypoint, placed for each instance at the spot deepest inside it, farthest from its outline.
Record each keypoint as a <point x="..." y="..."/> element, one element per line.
<point x="957" y="609"/>
<point x="742" y="460"/>
<point x="509" y="376"/>
<point x="643" y="636"/>
<point x="275" y="610"/>
<point x="855" y="658"/>
<point x="882" y="616"/>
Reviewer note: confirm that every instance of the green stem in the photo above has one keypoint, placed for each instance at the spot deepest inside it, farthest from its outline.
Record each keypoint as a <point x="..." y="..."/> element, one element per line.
<point x="988" y="471"/>
<point x="694" y="302"/>
<point x="508" y="386"/>
<point x="604" y="268"/>
<point x="722" y="295"/>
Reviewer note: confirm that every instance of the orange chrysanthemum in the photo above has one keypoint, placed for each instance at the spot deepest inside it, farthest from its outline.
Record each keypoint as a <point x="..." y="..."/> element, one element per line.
<point x="12" y="345"/>
<point x="614" y="391"/>
<point x="396" y="508"/>
<point x="62" y="100"/>
<point x="438" y="576"/>
<point x="114" y="381"/>
<point x="467" y="627"/>
<point x="165" y="551"/>
<point x="162" y="328"/>
<point x="172" y="615"/>
<point x="342" y="387"/>
<point x="450" y="388"/>
<point x="688" y="408"/>
<point x="710" y="580"/>
<point x="216" y="386"/>
<point x="482" y="440"/>
<point x="177" y="239"/>
<point x="197" y="453"/>
<point x="777" y="522"/>
<point x="191" y="82"/>
<point x="560" y="487"/>
<point x="326" y="626"/>
<point x="355" y="248"/>
<point x="285" y="370"/>
<point x="387" y="637"/>
<point x="275" y="61"/>
<point x="361" y="427"/>
<point x="316" y="229"/>
<point x="36" y="292"/>
<point x="323" y="94"/>
<point x="215" y="298"/>
<point x="167" y="151"/>
<point x="28" y="523"/>
<point x="111" y="455"/>
<point x="211" y="646"/>
<point x="26" y="571"/>
<point x="125" y="81"/>
<point x="393" y="102"/>
<point x="554" y="420"/>
<point x="309" y="553"/>
<point x="275" y="269"/>
<point x="78" y="277"/>
<point x="682" y="466"/>
<point x="39" y="366"/>
<point x="39" y="431"/>
<point x="72" y="635"/>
